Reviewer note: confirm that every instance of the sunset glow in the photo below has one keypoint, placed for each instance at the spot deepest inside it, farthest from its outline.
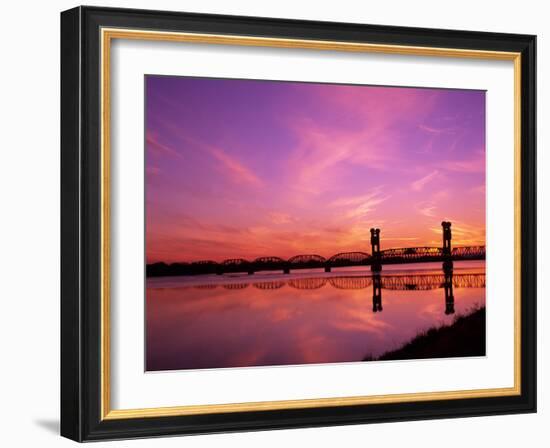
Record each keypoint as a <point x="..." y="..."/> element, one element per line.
<point x="242" y="168"/>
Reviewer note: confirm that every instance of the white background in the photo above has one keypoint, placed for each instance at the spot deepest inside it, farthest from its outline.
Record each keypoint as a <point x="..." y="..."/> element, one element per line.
<point x="132" y="388"/>
<point x="29" y="229"/>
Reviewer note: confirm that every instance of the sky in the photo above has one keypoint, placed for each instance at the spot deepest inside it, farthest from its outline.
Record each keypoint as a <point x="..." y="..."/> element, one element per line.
<point x="245" y="168"/>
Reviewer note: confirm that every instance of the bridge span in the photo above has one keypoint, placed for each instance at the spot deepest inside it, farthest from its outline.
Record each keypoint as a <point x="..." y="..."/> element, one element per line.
<point x="375" y="259"/>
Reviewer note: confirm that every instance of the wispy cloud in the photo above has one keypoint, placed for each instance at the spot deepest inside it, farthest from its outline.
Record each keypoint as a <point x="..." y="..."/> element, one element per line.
<point x="427" y="210"/>
<point x="298" y="168"/>
<point x="419" y="184"/>
<point x="474" y="164"/>
<point x="355" y="200"/>
<point x="321" y="152"/>
<point x="229" y="164"/>
<point x="436" y="131"/>
<point x="235" y="169"/>
<point x="157" y="147"/>
<point x="359" y="206"/>
<point x="466" y="166"/>
<point x="324" y="149"/>
<point x="464" y="234"/>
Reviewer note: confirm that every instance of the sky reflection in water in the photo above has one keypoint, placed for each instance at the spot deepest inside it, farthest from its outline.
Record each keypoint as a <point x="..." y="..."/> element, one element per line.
<point x="215" y="322"/>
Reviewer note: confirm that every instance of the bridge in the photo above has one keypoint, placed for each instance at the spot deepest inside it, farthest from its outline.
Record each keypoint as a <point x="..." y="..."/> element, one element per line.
<point x="376" y="259"/>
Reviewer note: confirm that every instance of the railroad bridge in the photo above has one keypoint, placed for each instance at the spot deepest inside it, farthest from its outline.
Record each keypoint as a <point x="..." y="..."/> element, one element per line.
<point x="376" y="259"/>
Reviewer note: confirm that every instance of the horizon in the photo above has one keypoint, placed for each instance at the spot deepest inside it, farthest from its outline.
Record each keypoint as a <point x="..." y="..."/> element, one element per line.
<point x="327" y="257"/>
<point x="250" y="168"/>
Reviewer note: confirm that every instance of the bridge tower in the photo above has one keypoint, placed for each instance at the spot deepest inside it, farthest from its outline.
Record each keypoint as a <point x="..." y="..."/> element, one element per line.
<point x="446" y="249"/>
<point x="449" y="296"/>
<point x="376" y="265"/>
<point x="376" y="293"/>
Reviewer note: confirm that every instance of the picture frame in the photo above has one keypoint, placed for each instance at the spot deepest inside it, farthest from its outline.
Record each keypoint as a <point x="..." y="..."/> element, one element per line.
<point x="87" y="34"/>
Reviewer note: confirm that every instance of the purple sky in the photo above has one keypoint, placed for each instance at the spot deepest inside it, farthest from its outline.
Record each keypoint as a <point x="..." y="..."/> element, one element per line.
<point x="241" y="168"/>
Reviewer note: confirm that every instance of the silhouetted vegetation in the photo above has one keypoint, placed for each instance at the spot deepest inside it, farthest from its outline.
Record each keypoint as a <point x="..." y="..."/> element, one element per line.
<point x="464" y="337"/>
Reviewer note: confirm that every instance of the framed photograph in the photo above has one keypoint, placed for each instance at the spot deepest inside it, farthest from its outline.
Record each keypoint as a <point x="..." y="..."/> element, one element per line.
<point x="274" y="223"/>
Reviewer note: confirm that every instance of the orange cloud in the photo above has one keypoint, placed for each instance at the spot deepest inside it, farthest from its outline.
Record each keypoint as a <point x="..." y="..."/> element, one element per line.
<point x="427" y="210"/>
<point x="464" y="234"/>
<point x="361" y="205"/>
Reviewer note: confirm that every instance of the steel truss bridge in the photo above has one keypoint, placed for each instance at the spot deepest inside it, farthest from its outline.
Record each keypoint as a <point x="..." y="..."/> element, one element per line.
<point x="314" y="261"/>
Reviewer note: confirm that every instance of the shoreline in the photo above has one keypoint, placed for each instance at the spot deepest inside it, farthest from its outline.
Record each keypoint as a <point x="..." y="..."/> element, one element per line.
<point x="465" y="337"/>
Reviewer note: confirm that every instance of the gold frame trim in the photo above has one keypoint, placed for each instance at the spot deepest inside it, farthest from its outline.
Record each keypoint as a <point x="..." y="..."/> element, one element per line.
<point x="107" y="35"/>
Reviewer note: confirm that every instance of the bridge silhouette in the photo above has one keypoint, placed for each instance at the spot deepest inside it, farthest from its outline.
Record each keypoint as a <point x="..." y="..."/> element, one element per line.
<point x="376" y="259"/>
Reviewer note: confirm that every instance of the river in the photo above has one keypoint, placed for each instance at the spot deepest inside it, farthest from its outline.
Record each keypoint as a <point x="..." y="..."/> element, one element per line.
<point x="303" y="317"/>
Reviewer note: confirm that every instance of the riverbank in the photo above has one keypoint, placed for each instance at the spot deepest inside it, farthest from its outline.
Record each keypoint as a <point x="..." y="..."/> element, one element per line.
<point x="464" y="337"/>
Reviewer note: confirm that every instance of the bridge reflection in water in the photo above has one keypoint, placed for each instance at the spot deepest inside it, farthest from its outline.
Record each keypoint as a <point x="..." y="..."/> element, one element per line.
<point x="416" y="282"/>
<point x="394" y="282"/>
<point x="303" y="317"/>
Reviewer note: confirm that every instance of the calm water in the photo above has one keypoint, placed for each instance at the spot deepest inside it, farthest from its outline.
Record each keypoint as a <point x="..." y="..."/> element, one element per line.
<point x="305" y="317"/>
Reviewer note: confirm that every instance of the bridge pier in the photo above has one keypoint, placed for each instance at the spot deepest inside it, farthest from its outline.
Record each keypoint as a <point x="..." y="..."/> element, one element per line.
<point x="376" y="263"/>
<point x="446" y="249"/>
<point x="327" y="268"/>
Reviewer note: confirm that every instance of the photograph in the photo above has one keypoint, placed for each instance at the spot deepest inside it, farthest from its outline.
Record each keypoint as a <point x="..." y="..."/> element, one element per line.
<point x="295" y="223"/>
<point x="277" y="220"/>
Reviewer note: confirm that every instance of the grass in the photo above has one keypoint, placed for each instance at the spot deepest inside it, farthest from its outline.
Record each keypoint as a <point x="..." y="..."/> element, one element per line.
<point x="464" y="337"/>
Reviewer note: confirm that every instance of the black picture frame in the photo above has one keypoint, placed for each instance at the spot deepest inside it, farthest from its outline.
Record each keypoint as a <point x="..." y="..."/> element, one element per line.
<point x="81" y="224"/>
